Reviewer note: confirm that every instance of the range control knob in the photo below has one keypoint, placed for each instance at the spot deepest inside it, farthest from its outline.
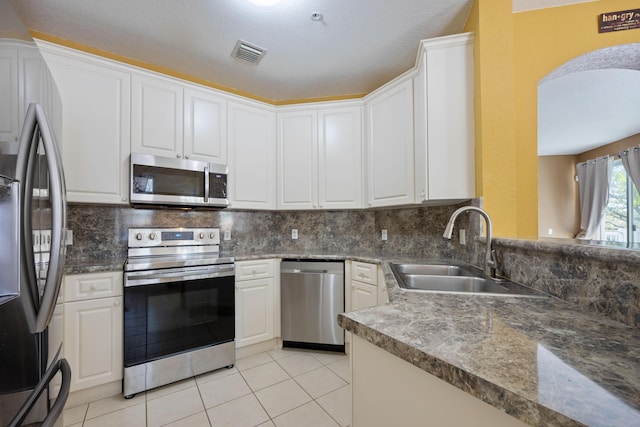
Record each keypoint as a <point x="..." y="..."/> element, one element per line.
<point x="139" y="236"/>
<point x="201" y="235"/>
<point x="152" y="236"/>
<point x="212" y="235"/>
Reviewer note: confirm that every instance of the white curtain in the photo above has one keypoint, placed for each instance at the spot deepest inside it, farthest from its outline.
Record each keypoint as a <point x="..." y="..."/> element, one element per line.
<point x="593" y="181"/>
<point x="631" y="162"/>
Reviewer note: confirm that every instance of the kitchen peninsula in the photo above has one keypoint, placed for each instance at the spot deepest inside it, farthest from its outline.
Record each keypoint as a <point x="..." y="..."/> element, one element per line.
<point x="539" y="360"/>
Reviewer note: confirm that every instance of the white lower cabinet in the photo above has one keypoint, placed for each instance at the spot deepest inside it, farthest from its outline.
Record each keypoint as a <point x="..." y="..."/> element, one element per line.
<point x="364" y="285"/>
<point x="363" y="295"/>
<point x="256" y="308"/>
<point x="93" y="328"/>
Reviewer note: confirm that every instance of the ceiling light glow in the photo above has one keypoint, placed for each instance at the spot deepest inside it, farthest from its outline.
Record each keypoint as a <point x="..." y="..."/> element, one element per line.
<point x="264" y="2"/>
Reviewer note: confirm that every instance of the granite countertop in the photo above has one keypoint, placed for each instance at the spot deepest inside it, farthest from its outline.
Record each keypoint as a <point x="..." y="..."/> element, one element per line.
<point x="539" y="360"/>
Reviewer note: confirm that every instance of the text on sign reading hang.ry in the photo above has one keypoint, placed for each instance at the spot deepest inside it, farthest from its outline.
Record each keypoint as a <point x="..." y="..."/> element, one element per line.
<point x="622" y="20"/>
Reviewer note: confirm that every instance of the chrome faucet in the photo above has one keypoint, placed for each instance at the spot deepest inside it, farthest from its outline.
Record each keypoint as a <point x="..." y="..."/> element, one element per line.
<point x="490" y="262"/>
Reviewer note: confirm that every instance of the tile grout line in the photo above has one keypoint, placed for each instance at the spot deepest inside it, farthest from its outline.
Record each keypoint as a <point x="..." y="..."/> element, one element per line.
<point x="323" y="362"/>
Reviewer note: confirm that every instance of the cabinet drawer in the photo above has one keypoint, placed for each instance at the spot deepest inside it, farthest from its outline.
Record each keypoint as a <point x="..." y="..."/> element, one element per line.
<point x="258" y="269"/>
<point x="364" y="272"/>
<point x="79" y="287"/>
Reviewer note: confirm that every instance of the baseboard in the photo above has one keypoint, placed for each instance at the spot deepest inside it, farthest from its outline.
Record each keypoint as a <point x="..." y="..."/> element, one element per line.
<point x="91" y="394"/>
<point x="260" y="347"/>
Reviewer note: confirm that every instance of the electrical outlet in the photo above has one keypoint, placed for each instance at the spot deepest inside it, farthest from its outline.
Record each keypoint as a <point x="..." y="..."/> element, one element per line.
<point x="68" y="240"/>
<point x="550" y="231"/>
<point x="227" y="235"/>
<point x="462" y="234"/>
<point x="384" y="234"/>
<point x="294" y="233"/>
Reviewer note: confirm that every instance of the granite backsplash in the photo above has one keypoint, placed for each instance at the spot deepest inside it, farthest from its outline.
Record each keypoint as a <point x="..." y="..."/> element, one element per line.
<point x="603" y="281"/>
<point x="100" y="231"/>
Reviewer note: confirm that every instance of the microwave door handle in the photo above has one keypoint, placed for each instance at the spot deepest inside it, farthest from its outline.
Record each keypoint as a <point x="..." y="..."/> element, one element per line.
<point x="206" y="184"/>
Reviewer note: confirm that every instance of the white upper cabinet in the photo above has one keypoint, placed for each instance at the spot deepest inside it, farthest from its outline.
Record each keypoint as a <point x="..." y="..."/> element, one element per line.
<point x="320" y="158"/>
<point x="389" y="115"/>
<point x="340" y="158"/>
<point x="444" y="123"/>
<point x="205" y="126"/>
<point x="418" y="132"/>
<point x="156" y="116"/>
<point x="171" y="119"/>
<point x="252" y="156"/>
<point x="22" y="81"/>
<point x="9" y="122"/>
<point x="297" y="144"/>
<point x="96" y="132"/>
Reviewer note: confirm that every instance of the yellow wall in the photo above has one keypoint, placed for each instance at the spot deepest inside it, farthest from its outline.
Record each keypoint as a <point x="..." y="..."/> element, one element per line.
<point x="513" y="52"/>
<point x="558" y="199"/>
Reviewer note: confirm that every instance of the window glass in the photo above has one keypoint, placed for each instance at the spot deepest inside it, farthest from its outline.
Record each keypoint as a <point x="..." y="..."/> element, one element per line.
<point x="621" y="221"/>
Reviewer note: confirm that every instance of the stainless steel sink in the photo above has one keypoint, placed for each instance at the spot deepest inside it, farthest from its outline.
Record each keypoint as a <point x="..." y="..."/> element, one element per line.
<point x="456" y="279"/>
<point x="435" y="270"/>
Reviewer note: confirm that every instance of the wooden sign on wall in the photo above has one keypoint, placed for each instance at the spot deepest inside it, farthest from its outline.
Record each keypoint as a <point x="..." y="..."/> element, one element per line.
<point x="617" y="21"/>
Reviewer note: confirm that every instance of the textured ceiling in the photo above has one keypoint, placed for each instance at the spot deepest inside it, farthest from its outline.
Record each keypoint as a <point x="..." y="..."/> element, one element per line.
<point x="356" y="47"/>
<point x="590" y="101"/>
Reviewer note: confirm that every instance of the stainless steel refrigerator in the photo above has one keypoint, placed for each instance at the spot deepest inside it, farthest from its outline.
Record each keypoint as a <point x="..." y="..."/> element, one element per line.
<point x="32" y="239"/>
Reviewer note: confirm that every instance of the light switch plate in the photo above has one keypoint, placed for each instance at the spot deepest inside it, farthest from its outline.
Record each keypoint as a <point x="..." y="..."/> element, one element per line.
<point x="294" y="233"/>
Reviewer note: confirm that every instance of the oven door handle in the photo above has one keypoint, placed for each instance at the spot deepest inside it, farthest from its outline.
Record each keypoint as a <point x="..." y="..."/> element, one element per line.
<point x="176" y="275"/>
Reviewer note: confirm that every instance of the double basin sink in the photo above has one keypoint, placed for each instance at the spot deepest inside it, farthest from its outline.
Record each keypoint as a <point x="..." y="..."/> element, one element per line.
<point x="460" y="279"/>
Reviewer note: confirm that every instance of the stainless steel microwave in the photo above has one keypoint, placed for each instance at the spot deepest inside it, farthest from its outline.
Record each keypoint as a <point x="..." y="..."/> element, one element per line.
<point x="169" y="182"/>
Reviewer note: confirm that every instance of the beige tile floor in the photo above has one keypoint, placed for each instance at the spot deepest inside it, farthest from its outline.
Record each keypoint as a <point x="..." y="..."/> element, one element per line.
<point x="278" y="388"/>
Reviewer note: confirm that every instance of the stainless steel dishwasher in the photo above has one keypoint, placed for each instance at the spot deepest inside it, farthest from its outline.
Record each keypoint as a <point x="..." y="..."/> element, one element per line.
<point x="312" y="295"/>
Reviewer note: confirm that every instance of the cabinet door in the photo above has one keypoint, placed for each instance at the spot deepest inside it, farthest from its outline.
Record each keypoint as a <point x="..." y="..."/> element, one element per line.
<point x="297" y="160"/>
<point x="93" y="341"/>
<point x="205" y="126"/>
<point x="254" y="311"/>
<point x="9" y="121"/>
<point x="444" y="123"/>
<point x="32" y="84"/>
<point x="363" y="295"/>
<point x="252" y="156"/>
<point x="340" y="158"/>
<point x="156" y="116"/>
<point x="96" y="132"/>
<point x="390" y="146"/>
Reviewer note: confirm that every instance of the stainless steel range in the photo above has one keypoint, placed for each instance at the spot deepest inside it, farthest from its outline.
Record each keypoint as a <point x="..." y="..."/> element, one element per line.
<point x="179" y="312"/>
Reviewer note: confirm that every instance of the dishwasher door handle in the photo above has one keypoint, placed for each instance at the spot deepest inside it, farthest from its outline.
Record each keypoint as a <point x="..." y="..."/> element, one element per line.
<point x="306" y="272"/>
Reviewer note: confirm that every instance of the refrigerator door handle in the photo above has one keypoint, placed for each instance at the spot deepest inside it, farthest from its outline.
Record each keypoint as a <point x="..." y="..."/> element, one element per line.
<point x="58" y="197"/>
<point x="54" y="413"/>
<point x="35" y="128"/>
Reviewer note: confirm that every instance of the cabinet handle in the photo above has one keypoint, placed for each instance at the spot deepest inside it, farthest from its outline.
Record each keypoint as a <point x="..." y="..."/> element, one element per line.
<point x="116" y="303"/>
<point x="93" y="287"/>
<point x="186" y="157"/>
<point x="178" y="155"/>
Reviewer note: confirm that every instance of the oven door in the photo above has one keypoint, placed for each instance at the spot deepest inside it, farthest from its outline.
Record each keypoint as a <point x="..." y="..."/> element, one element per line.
<point x="171" y="311"/>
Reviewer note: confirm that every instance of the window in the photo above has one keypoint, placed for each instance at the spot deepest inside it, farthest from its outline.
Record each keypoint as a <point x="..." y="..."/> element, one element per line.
<point x="621" y="221"/>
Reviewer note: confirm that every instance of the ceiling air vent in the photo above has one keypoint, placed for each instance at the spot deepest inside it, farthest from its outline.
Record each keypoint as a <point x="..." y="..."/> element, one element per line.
<point x="248" y="52"/>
